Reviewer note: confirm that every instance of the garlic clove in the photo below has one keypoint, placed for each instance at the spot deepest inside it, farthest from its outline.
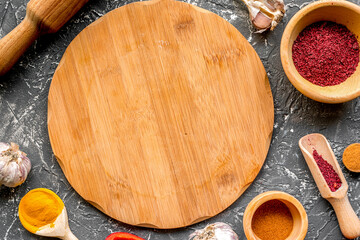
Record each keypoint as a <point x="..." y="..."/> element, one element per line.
<point x="4" y="146"/>
<point x="11" y="174"/>
<point x="14" y="165"/>
<point x="261" y="21"/>
<point x="215" y="231"/>
<point x="265" y="14"/>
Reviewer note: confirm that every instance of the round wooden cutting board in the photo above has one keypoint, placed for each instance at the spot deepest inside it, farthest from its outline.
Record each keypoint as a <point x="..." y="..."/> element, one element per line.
<point x="160" y="114"/>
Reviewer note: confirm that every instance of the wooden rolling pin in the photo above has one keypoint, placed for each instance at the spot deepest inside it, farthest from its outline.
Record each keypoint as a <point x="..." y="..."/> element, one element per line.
<point x="42" y="16"/>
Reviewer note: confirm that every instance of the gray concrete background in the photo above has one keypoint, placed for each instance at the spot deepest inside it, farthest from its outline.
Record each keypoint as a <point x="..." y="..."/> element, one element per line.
<point x="23" y="112"/>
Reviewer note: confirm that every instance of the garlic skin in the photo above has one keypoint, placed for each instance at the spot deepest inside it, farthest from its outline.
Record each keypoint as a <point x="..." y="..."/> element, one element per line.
<point x="265" y="14"/>
<point x="14" y="165"/>
<point x="215" y="231"/>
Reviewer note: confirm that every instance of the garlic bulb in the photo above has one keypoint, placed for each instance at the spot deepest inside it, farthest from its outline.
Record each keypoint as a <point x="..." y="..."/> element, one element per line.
<point x="265" y="14"/>
<point x="14" y="165"/>
<point x="215" y="231"/>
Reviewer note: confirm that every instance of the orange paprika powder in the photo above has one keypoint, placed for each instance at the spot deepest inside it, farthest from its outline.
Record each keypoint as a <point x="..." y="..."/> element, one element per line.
<point x="272" y="221"/>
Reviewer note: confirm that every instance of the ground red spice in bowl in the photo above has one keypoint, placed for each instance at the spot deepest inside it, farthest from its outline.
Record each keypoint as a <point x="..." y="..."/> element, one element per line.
<point x="272" y="221"/>
<point x="331" y="177"/>
<point x="326" y="53"/>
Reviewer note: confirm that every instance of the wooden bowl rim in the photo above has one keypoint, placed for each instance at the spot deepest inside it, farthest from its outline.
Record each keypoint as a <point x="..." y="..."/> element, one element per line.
<point x="296" y="80"/>
<point x="273" y="195"/>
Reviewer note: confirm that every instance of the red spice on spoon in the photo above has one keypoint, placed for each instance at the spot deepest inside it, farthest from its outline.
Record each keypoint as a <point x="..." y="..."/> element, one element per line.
<point x="326" y="53"/>
<point x="331" y="177"/>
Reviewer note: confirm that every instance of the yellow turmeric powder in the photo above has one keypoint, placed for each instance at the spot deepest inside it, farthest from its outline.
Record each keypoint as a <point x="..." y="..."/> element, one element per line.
<point x="38" y="208"/>
<point x="351" y="157"/>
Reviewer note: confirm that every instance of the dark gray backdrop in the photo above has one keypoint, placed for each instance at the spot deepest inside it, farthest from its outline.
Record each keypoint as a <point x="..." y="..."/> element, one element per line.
<point x="23" y="112"/>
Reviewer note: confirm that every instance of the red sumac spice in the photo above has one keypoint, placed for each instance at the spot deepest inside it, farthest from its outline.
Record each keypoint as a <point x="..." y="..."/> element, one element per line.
<point x="326" y="53"/>
<point x="331" y="177"/>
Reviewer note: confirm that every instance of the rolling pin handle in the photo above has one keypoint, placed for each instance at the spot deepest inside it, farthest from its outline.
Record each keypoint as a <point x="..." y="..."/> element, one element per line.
<point x="14" y="44"/>
<point x="348" y="220"/>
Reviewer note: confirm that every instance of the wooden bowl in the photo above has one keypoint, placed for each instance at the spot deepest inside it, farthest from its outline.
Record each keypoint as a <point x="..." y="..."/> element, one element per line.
<point x="338" y="11"/>
<point x="297" y="211"/>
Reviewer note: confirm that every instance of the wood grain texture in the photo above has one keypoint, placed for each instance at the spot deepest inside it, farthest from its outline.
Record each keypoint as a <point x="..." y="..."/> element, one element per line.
<point x="160" y="114"/>
<point x="42" y="16"/>
<point x="339" y="11"/>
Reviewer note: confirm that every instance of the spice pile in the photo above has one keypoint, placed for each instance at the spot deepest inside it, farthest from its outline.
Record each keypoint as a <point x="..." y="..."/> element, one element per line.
<point x="351" y="157"/>
<point x="326" y="53"/>
<point x="272" y="221"/>
<point x="331" y="177"/>
<point x="38" y="208"/>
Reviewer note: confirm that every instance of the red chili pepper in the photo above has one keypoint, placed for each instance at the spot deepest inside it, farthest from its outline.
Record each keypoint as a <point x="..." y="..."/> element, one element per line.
<point x="123" y="236"/>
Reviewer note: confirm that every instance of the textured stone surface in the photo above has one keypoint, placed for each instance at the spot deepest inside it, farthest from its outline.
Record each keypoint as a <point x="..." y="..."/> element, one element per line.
<point x="23" y="111"/>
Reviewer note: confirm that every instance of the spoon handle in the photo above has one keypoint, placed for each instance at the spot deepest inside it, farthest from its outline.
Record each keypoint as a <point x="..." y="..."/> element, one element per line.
<point x="348" y="220"/>
<point x="69" y="235"/>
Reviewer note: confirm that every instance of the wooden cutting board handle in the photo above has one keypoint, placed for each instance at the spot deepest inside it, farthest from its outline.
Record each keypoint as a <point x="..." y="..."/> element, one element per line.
<point x="42" y="16"/>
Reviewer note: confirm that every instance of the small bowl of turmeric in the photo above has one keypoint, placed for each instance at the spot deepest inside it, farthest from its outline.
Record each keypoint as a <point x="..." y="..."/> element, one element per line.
<point x="275" y="215"/>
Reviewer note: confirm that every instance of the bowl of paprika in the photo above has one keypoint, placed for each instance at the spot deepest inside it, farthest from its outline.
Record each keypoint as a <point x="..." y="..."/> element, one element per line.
<point x="275" y="215"/>
<point x="320" y="51"/>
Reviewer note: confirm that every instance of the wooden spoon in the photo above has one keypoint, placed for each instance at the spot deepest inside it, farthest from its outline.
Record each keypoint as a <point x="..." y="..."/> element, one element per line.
<point x="59" y="230"/>
<point x="42" y="16"/>
<point x="348" y="220"/>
